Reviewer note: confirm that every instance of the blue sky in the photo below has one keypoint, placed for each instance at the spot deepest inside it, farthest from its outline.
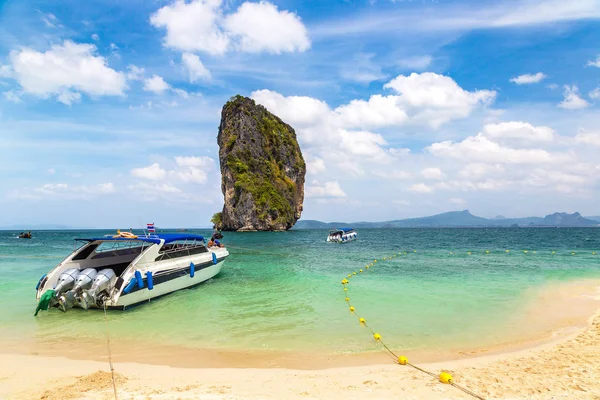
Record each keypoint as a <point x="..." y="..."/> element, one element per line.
<point x="109" y="110"/>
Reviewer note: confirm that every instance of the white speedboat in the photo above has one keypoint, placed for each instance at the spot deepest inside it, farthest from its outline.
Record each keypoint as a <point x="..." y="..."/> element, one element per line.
<point x="117" y="272"/>
<point x="341" y="235"/>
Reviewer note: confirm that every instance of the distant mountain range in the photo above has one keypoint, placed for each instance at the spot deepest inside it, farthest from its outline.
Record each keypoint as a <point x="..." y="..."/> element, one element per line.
<point x="462" y="219"/>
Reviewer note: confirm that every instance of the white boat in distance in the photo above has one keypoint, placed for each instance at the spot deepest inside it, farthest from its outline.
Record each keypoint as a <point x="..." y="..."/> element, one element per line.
<point x="117" y="272"/>
<point x="341" y="235"/>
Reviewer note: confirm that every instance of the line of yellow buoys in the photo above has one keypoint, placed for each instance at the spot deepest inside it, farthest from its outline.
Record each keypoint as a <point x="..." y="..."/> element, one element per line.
<point x="444" y="376"/>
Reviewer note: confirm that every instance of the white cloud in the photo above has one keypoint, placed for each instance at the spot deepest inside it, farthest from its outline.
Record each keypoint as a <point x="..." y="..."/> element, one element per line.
<point x="481" y="149"/>
<point x="594" y="63"/>
<point x="66" y="70"/>
<point x="362" y="69"/>
<point x="95" y="37"/>
<point x="189" y="169"/>
<point x="595" y="94"/>
<point x="436" y="98"/>
<point x="572" y="100"/>
<point x="394" y="174"/>
<point x="196" y="70"/>
<point x="64" y="191"/>
<point x="153" y="172"/>
<point x="135" y="73"/>
<point x="527" y="79"/>
<point x="315" y="166"/>
<point x="520" y="132"/>
<point x="432" y="173"/>
<point x="420" y="188"/>
<point x="200" y="162"/>
<point x="449" y="17"/>
<point x="152" y="189"/>
<point x="328" y="189"/>
<point x="592" y="138"/>
<point x="156" y="84"/>
<point x="480" y="170"/>
<point x="418" y="63"/>
<point x="255" y="27"/>
<point x="50" y="20"/>
<point x="192" y="26"/>
<point x="262" y="27"/>
<point x="12" y="96"/>
<point x="295" y="110"/>
<point x="181" y="93"/>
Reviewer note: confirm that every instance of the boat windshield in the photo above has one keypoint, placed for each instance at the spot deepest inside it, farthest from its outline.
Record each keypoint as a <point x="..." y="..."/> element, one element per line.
<point x="181" y="248"/>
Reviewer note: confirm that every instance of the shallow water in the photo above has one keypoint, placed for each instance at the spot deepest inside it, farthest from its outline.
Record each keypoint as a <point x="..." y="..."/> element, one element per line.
<point x="282" y="290"/>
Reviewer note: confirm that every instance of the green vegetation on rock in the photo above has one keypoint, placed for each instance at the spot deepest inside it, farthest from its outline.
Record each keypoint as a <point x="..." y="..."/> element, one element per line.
<point x="262" y="168"/>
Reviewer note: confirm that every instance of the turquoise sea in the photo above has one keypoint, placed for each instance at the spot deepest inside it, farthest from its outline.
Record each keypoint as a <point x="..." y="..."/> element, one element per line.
<point x="282" y="290"/>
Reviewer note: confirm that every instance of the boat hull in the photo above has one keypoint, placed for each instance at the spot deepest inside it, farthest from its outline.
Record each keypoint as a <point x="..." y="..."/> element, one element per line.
<point x="183" y="281"/>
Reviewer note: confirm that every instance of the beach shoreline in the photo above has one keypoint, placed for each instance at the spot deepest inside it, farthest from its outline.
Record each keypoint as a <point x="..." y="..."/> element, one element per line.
<point x="564" y="369"/>
<point x="564" y="366"/>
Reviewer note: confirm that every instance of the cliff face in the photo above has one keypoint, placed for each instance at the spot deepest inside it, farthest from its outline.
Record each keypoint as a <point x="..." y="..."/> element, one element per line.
<point x="262" y="169"/>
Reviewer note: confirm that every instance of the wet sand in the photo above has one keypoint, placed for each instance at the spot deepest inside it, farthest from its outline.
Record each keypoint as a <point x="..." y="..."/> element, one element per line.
<point x="563" y="363"/>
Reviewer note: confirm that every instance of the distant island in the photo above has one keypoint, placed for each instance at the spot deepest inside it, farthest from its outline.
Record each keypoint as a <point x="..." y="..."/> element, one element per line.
<point x="463" y="219"/>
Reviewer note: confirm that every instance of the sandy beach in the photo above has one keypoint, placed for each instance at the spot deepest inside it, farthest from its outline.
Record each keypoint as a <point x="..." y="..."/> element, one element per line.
<point x="566" y="368"/>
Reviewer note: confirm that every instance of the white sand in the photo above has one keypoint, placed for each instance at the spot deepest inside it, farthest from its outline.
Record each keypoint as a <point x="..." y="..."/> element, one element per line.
<point x="567" y="370"/>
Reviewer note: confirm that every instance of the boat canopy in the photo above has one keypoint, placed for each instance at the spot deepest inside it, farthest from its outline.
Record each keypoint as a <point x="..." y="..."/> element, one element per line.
<point x="344" y="230"/>
<point x="167" y="237"/>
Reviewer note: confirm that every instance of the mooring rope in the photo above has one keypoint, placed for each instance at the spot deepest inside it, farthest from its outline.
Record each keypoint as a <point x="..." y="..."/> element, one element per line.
<point x="444" y="377"/>
<point x="112" y="369"/>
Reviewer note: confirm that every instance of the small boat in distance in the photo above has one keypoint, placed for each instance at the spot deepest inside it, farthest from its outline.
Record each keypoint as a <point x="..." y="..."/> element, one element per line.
<point x="126" y="269"/>
<point x="341" y="235"/>
<point x="25" y="235"/>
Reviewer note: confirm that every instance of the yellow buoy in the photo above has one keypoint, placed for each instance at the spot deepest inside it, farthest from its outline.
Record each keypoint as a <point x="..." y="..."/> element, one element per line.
<point x="469" y="253"/>
<point x="361" y="320"/>
<point x="450" y="252"/>
<point x="349" y="275"/>
<point x="344" y="281"/>
<point x="534" y="252"/>
<point x="524" y="251"/>
<point x="487" y="252"/>
<point x="360" y="270"/>
<point x="414" y="251"/>
<point x="347" y="298"/>
<point x="507" y="251"/>
<point x="367" y="267"/>
<point x="573" y="253"/>
<point x="402" y="360"/>
<point x="593" y="253"/>
<point x="351" y="308"/>
<point x="354" y="273"/>
<point x="553" y="252"/>
<point x="345" y="289"/>
<point x="377" y="336"/>
<point x="374" y="261"/>
<point x="445" y="377"/>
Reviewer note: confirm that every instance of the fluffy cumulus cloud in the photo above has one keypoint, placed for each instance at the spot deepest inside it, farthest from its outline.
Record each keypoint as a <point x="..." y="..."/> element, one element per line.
<point x="358" y="140"/>
<point x="517" y="131"/>
<point x="66" y="71"/>
<point x="186" y="170"/>
<point x="202" y="25"/>
<point x="262" y="27"/>
<point x="192" y="26"/>
<point x="436" y="98"/>
<point x="528" y="79"/>
<point x="156" y="84"/>
<point x="572" y="100"/>
<point x="194" y="67"/>
<point x="327" y="189"/>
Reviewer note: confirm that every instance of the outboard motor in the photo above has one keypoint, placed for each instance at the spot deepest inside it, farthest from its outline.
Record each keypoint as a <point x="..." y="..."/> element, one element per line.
<point x="66" y="280"/>
<point x="84" y="281"/>
<point x="97" y="294"/>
